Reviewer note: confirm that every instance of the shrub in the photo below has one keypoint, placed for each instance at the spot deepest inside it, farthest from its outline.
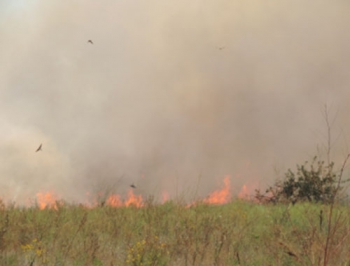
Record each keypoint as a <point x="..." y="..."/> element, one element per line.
<point x="315" y="182"/>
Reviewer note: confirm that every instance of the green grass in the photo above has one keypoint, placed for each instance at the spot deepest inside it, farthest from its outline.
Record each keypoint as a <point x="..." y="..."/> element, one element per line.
<point x="238" y="233"/>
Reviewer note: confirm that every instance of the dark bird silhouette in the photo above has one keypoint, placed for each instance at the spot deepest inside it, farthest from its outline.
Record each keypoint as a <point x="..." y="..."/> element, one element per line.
<point x="133" y="186"/>
<point x="39" y="149"/>
<point x="221" y="48"/>
<point x="89" y="41"/>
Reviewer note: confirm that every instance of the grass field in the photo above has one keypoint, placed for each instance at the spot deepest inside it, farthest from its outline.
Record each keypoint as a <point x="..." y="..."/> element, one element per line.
<point x="237" y="233"/>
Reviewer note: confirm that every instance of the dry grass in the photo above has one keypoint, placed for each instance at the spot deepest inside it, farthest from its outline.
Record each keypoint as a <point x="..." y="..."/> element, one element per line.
<point x="238" y="233"/>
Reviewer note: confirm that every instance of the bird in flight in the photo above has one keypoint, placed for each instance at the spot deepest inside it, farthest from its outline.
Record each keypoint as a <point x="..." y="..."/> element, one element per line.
<point x="89" y="41"/>
<point x="221" y="48"/>
<point x="39" y="149"/>
<point x="133" y="186"/>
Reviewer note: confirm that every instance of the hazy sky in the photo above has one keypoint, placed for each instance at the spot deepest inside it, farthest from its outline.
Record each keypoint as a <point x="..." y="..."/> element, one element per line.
<point x="154" y="96"/>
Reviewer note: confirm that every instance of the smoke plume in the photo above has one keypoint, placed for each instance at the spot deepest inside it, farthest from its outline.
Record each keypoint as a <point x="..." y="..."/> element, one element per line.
<point x="171" y="95"/>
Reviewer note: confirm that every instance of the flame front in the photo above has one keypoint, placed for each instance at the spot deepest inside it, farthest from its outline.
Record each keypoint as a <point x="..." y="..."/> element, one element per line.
<point x="165" y="196"/>
<point x="220" y="196"/>
<point x="47" y="200"/>
<point x="114" y="201"/>
<point x="244" y="193"/>
<point x="132" y="200"/>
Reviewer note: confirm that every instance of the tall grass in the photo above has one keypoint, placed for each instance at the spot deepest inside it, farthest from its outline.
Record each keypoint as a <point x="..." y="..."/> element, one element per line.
<point x="238" y="233"/>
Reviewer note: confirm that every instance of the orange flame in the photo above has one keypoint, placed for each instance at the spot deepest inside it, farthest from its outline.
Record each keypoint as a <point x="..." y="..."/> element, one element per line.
<point x="47" y="200"/>
<point x="220" y="196"/>
<point x="114" y="201"/>
<point x="247" y="191"/>
<point x="132" y="200"/>
<point x="244" y="193"/>
<point x="165" y="196"/>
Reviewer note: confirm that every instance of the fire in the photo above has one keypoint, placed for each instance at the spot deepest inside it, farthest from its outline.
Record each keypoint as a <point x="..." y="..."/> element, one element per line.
<point x="47" y="200"/>
<point x="243" y="194"/>
<point x="114" y="201"/>
<point x="247" y="191"/>
<point x="165" y="196"/>
<point x="220" y="196"/>
<point x="132" y="200"/>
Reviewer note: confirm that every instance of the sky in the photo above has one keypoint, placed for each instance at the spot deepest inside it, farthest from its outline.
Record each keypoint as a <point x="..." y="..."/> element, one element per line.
<point x="171" y="96"/>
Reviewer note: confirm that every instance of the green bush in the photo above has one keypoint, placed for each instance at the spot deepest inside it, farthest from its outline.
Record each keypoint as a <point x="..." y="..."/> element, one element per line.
<point x="315" y="182"/>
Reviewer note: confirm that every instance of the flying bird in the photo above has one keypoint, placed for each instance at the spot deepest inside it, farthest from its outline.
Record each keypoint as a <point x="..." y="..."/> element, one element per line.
<point x="89" y="41"/>
<point x="39" y="149"/>
<point x="133" y="186"/>
<point x="221" y="48"/>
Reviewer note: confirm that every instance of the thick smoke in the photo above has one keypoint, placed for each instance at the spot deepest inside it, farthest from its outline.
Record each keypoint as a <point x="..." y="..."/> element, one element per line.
<point x="172" y="95"/>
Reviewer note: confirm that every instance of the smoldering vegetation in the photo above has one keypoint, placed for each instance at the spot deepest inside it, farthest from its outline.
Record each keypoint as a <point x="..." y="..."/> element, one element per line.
<point x="171" y="95"/>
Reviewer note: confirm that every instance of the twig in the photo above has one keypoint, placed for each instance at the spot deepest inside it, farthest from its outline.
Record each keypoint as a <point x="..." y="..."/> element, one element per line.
<point x="329" y="233"/>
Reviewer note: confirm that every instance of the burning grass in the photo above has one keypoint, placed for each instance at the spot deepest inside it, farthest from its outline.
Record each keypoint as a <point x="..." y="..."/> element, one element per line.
<point x="236" y="233"/>
<point x="217" y="230"/>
